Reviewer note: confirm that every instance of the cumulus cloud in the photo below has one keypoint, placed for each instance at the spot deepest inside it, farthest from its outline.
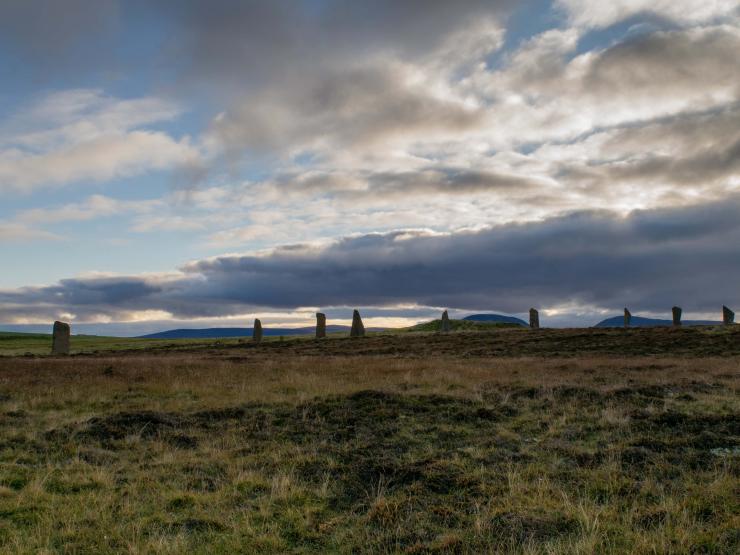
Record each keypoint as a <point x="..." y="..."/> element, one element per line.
<point x="98" y="160"/>
<point x="548" y="95"/>
<point x="414" y="128"/>
<point x="352" y="109"/>
<point x="251" y="43"/>
<point x="438" y="139"/>
<point x="83" y="135"/>
<point x="649" y="260"/>
<point x="602" y="14"/>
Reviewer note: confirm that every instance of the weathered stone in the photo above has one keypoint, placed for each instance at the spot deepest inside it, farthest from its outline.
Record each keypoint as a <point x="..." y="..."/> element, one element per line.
<point x="728" y="316"/>
<point x="445" y="324"/>
<point x="627" y="318"/>
<point x="534" y="319"/>
<point x="257" y="331"/>
<point x="358" y="329"/>
<point x="676" y="315"/>
<point x="320" y="325"/>
<point x="60" y="339"/>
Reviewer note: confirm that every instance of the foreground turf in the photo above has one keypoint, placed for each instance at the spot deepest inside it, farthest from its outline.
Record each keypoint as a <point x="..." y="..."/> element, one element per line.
<point x="199" y="454"/>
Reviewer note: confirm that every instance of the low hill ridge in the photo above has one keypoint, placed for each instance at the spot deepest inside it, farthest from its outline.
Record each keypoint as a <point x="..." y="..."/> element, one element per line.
<point x="495" y="318"/>
<point x="641" y="322"/>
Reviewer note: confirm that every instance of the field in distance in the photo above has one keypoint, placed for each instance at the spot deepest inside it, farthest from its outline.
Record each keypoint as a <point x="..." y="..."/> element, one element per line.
<point x="468" y="339"/>
<point x="505" y="440"/>
<point x="14" y="344"/>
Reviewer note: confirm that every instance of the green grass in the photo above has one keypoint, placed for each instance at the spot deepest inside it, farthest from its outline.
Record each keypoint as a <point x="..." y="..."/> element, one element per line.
<point x="15" y="344"/>
<point x="259" y="451"/>
<point x="12" y="344"/>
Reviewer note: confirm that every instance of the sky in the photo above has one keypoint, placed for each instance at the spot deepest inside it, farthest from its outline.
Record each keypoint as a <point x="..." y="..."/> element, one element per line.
<point x="192" y="163"/>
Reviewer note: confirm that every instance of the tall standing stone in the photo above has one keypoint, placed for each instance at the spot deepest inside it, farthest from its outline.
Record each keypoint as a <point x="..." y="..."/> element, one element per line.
<point x="60" y="339"/>
<point x="358" y="329"/>
<point x="445" y="324"/>
<point x="257" y="331"/>
<point x="627" y="318"/>
<point x="677" y="315"/>
<point x="728" y="316"/>
<point x="534" y="319"/>
<point x="320" y="325"/>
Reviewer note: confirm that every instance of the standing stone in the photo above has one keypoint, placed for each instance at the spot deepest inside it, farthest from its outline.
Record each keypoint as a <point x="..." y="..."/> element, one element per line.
<point x="60" y="339"/>
<point x="677" y="315"/>
<point x="534" y="319"/>
<point x="257" y="331"/>
<point x="358" y="329"/>
<point x="627" y="318"/>
<point x="320" y="325"/>
<point x="445" y="324"/>
<point x="728" y="316"/>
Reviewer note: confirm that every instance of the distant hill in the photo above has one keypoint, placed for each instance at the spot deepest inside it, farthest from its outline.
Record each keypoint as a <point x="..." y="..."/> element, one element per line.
<point x="217" y="333"/>
<point x="495" y="318"/>
<point x="640" y="322"/>
<point x="467" y="324"/>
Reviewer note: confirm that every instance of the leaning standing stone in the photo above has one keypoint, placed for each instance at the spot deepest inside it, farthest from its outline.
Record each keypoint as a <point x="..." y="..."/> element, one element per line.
<point x="257" y="331"/>
<point x="60" y="339"/>
<point x="358" y="329"/>
<point x="627" y="318"/>
<point x="445" y="324"/>
<point x="320" y="325"/>
<point x="728" y="316"/>
<point x="534" y="319"/>
<point x="677" y="315"/>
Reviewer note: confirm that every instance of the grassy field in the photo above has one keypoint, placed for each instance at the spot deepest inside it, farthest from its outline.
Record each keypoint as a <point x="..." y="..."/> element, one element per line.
<point x="472" y="339"/>
<point x="38" y="344"/>
<point x="508" y="441"/>
<point x="15" y="344"/>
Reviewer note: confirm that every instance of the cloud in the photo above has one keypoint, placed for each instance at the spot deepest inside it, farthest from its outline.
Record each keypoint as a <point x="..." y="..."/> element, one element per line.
<point x="441" y="180"/>
<point x="684" y="60"/>
<point x="357" y="108"/>
<point x="392" y="128"/>
<point x="79" y="115"/>
<point x="494" y="154"/>
<point x="82" y="135"/>
<point x="12" y="232"/>
<point x="649" y="260"/>
<point x="376" y="79"/>
<point x="95" y="206"/>
<point x="146" y="224"/>
<point x="602" y="14"/>
<point x="546" y="94"/>
<point x="397" y="100"/>
<point x="673" y="160"/>
<point x="250" y="43"/>
<point x="54" y="37"/>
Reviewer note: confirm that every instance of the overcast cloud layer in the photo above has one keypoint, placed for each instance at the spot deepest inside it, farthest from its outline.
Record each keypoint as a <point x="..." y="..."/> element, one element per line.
<point x="476" y="155"/>
<point x="651" y="260"/>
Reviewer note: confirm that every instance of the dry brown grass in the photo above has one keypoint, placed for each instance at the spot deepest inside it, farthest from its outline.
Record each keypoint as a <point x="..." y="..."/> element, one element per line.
<point x="260" y="450"/>
<point x="184" y="381"/>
